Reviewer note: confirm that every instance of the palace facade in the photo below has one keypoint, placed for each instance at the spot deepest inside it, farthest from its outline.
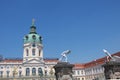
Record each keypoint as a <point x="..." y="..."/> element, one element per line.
<point x="33" y="65"/>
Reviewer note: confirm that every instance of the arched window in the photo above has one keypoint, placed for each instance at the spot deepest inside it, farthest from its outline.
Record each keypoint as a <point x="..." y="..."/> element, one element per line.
<point x="27" y="71"/>
<point x="40" y="72"/>
<point x="8" y="73"/>
<point x="33" y="52"/>
<point x="1" y="73"/>
<point x="27" y="52"/>
<point x="39" y="52"/>
<point x="33" y="71"/>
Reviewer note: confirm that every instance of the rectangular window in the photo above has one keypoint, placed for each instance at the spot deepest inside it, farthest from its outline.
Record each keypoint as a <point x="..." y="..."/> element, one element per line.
<point x="78" y="72"/>
<point x="82" y="72"/>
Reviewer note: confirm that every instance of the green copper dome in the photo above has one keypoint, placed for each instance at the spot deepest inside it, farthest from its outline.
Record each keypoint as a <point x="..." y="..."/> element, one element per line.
<point x="32" y="36"/>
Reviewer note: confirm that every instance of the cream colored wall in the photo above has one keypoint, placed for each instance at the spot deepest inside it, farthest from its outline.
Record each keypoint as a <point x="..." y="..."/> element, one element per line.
<point x="79" y="74"/>
<point x="30" y="56"/>
<point x="16" y="67"/>
<point x="94" y="72"/>
<point x="10" y="67"/>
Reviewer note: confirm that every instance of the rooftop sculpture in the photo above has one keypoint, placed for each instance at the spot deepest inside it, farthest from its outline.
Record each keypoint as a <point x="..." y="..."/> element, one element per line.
<point x="64" y="56"/>
<point x="63" y="69"/>
<point x="113" y="58"/>
<point x="112" y="67"/>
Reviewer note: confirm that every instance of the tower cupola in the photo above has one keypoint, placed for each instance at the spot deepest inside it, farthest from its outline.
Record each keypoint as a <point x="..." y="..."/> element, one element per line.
<point x="32" y="37"/>
<point x="33" y="48"/>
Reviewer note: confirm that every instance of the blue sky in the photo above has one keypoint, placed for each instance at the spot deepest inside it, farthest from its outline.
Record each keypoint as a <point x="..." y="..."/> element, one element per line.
<point x="83" y="26"/>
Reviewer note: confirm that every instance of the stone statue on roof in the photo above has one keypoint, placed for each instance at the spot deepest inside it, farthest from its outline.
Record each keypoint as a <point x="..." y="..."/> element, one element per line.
<point x="113" y="58"/>
<point x="64" y="56"/>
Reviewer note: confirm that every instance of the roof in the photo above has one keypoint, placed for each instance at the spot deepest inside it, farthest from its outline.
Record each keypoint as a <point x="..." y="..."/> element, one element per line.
<point x="12" y="61"/>
<point x="78" y="66"/>
<point x="96" y="62"/>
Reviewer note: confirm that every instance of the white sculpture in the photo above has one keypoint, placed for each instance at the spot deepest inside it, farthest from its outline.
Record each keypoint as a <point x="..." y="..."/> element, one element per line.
<point x="64" y="56"/>
<point x="113" y="58"/>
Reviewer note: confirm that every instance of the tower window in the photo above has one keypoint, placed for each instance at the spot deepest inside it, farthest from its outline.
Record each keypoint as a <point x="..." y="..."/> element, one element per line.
<point x="33" y="52"/>
<point x="39" y="52"/>
<point x="27" y="52"/>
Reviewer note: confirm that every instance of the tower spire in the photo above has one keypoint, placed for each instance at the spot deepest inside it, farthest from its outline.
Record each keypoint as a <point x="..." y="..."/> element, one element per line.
<point x="33" y="28"/>
<point x="33" y="22"/>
